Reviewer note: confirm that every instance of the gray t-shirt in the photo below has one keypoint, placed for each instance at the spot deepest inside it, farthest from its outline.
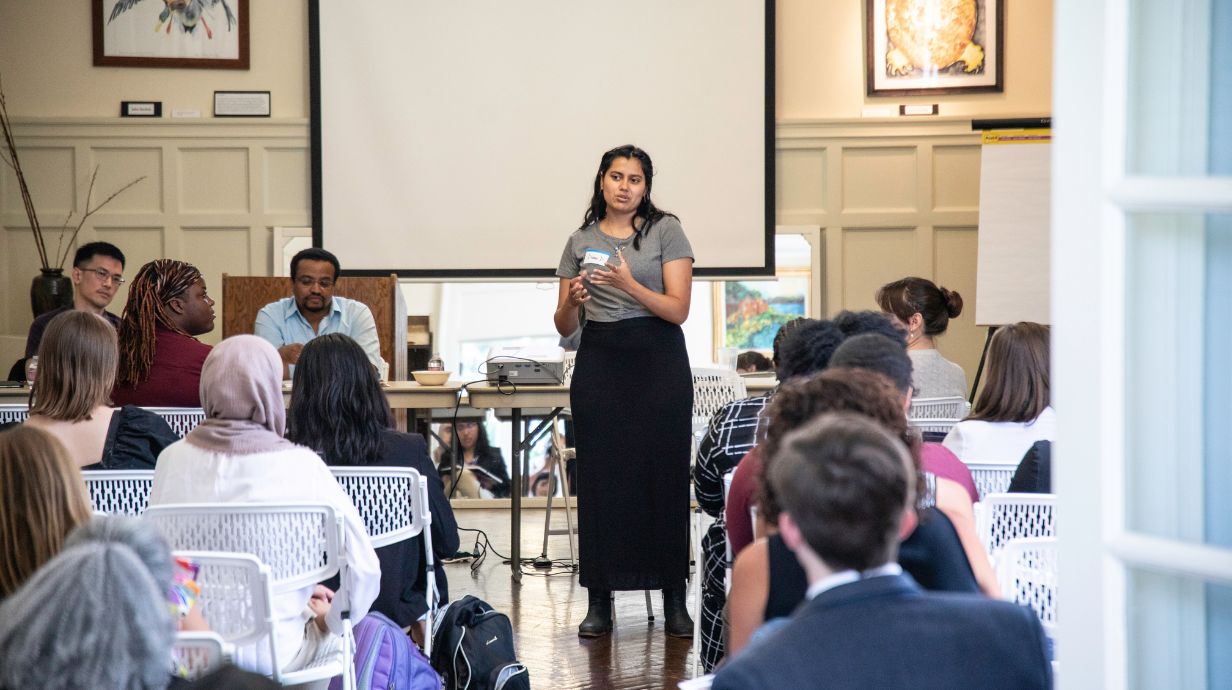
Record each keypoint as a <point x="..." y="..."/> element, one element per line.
<point x="662" y="242"/>
<point x="934" y="376"/>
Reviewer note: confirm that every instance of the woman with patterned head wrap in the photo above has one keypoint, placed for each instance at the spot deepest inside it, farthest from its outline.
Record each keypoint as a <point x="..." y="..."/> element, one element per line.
<point x="160" y="357"/>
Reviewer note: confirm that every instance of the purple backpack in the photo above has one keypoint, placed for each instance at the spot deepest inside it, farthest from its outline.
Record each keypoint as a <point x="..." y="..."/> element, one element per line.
<point x="386" y="659"/>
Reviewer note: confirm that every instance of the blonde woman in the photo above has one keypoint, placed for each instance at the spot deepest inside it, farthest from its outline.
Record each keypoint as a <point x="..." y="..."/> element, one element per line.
<point x="42" y="499"/>
<point x="77" y="370"/>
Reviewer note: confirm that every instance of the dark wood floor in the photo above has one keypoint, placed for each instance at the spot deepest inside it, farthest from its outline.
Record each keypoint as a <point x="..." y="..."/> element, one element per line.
<point x="547" y="607"/>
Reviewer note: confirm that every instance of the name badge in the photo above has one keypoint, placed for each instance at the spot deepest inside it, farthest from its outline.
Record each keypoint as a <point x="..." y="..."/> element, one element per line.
<point x="597" y="257"/>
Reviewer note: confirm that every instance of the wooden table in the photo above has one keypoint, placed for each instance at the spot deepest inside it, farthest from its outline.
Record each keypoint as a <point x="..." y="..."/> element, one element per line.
<point x="517" y="399"/>
<point x="756" y="385"/>
<point x="402" y="395"/>
<point x="14" y="396"/>
<point x="408" y="395"/>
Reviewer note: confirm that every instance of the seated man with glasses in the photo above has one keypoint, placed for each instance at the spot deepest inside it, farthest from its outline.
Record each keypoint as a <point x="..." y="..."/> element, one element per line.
<point x="98" y="269"/>
<point x="312" y="310"/>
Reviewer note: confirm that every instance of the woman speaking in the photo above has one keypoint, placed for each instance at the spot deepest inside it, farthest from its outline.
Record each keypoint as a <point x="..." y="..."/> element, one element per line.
<point x="632" y="394"/>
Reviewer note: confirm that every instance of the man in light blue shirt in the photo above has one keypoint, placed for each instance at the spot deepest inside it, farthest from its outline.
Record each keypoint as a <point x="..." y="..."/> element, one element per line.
<point x="313" y="310"/>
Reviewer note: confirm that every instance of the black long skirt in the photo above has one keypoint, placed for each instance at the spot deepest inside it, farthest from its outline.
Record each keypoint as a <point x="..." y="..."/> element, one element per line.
<point x="632" y="400"/>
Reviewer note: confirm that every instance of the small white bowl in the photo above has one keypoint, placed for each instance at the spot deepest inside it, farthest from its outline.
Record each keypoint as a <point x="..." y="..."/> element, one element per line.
<point x="430" y="378"/>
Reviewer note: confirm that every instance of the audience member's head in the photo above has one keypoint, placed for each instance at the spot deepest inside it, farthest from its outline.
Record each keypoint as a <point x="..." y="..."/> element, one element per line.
<point x="241" y="395"/>
<point x="752" y="361"/>
<point x="857" y="391"/>
<point x="77" y="367"/>
<point x="776" y="346"/>
<point x="166" y="294"/>
<point x="646" y="209"/>
<point x="807" y="348"/>
<point x="923" y="307"/>
<point x="853" y="323"/>
<point x="337" y="406"/>
<point x="111" y="626"/>
<point x="472" y="438"/>
<point x="42" y="499"/>
<point x="877" y="353"/>
<point x="98" y="272"/>
<point x="314" y="271"/>
<point x="845" y="482"/>
<point x="1017" y="387"/>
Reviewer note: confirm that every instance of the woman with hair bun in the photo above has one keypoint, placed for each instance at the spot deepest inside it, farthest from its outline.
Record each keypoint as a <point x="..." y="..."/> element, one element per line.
<point x="925" y="310"/>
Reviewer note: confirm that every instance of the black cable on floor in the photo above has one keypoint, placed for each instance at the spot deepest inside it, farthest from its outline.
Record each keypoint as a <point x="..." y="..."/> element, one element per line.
<point x="483" y="544"/>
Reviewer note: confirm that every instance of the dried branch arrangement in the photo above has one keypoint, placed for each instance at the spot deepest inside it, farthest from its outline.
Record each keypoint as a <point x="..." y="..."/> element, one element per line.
<point x="9" y="156"/>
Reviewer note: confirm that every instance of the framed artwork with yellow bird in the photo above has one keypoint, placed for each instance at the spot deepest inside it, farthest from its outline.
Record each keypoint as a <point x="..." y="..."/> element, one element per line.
<point x="926" y="47"/>
<point x="210" y="34"/>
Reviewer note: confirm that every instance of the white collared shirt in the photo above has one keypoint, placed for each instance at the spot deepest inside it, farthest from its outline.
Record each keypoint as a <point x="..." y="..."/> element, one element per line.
<point x="846" y="577"/>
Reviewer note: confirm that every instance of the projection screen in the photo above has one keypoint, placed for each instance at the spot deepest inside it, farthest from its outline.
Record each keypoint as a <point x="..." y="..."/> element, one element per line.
<point x="461" y="139"/>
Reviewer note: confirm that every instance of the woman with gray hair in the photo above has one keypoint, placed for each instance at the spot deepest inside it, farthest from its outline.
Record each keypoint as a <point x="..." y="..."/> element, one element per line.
<point x="60" y="629"/>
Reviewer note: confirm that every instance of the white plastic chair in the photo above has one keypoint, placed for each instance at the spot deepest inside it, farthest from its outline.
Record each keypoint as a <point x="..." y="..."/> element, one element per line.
<point x="952" y="407"/>
<point x="237" y="602"/>
<point x="125" y="492"/>
<point x="181" y="419"/>
<point x="393" y="503"/>
<point x="198" y="653"/>
<point x="937" y="415"/>
<point x="300" y="543"/>
<point x="14" y="413"/>
<point x="1027" y="571"/>
<point x="933" y="426"/>
<point x="1002" y="517"/>
<point x="712" y="389"/>
<point x="991" y="477"/>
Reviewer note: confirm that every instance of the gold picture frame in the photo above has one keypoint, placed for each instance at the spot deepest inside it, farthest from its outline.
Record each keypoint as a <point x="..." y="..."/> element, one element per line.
<point x="747" y="313"/>
<point x="964" y="53"/>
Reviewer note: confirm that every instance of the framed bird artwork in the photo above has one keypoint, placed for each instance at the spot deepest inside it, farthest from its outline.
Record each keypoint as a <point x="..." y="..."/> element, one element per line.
<point x="210" y="34"/>
<point x="926" y="47"/>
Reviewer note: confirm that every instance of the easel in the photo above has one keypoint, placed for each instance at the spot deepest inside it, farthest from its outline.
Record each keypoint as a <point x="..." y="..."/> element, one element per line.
<point x="979" y="371"/>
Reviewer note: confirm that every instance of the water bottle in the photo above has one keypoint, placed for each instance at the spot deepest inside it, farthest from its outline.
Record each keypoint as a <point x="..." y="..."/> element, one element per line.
<point x="31" y="370"/>
<point x="436" y="363"/>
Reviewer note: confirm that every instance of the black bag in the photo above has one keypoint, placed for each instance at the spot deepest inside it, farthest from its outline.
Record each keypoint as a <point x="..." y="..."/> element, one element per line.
<point x="472" y="648"/>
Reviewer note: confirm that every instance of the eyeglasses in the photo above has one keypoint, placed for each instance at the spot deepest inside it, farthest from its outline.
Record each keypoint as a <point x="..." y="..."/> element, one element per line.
<point x="308" y="281"/>
<point x="104" y="275"/>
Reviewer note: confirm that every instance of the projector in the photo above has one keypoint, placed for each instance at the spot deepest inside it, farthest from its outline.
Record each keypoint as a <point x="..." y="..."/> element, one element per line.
<point x="543" y="365"/>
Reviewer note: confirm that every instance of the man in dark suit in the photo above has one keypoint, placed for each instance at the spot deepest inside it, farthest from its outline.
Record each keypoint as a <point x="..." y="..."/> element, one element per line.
<point x="845" y="485"/>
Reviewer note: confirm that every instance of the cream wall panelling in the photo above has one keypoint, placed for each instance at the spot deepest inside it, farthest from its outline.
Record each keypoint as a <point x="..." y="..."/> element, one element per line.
<point x="892" y="198"/>
<point x="214" y="191"/>
<point x="217" y="188"/>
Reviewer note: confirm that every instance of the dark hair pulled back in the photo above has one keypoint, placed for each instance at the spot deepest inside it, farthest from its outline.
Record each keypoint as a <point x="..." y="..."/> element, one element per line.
<point x="913" y="295"/>
<point x="646" y="210"/>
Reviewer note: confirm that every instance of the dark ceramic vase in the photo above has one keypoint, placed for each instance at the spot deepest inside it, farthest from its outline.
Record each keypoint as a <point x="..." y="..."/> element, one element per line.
<point x="50" y="289"/>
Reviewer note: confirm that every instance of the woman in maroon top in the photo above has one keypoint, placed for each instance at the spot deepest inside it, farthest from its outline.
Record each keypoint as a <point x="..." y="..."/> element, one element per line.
<point x="160" y="357"/>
